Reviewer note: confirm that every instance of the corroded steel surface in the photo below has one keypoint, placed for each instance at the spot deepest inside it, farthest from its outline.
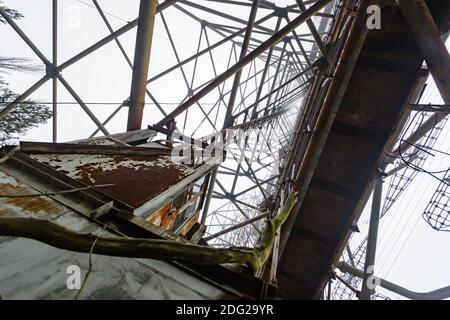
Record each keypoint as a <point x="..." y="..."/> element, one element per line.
<point x="135" y="179"/>
<point x="164" y="217"/>
<point x="37" y="207"/>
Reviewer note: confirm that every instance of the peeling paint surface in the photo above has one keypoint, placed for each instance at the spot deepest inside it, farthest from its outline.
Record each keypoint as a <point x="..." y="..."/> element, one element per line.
<point x="30" y="269"/>
<point x="135" y="179"/>
<point x="36" y="207"/>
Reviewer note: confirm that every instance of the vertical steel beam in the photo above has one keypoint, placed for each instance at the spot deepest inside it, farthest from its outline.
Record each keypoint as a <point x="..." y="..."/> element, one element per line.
<point x="367" y="290"/>
<point x="228" y="122"/>
<point x="55" y="63"/>
<point x="144" y="35"/>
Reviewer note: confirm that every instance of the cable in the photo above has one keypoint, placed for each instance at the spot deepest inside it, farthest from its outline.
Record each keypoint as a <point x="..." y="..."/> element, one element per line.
<point x="106" y="12"/>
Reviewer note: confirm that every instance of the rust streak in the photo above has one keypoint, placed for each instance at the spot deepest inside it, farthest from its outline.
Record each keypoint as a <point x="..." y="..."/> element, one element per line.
<point x="31" y="204"/>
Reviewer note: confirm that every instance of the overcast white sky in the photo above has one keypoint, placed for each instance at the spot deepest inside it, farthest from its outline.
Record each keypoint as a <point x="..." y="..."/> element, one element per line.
<point x="422" y="263"/>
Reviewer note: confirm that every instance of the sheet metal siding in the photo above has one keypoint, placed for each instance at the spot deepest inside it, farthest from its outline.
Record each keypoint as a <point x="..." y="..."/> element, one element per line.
<point x="32" y="270"/>
<point x="136" y="179"/>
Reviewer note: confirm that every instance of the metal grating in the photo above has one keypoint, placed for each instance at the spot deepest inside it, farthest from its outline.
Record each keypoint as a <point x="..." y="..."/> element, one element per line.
<point x="437" y="213"/>
<point x="414" y="157"/>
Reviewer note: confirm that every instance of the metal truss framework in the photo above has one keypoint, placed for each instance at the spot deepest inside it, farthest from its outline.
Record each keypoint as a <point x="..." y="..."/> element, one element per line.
<point x="257" y="97"/>
<point x="273" y="55"/>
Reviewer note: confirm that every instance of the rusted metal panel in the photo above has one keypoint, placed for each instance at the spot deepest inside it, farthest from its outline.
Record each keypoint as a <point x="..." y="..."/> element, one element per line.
<point x="135" y="179"/>
<point x="45" y="280"/>
<point x="164" y="217"/>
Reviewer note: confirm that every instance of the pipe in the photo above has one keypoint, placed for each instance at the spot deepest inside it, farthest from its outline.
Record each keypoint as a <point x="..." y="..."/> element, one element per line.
<point x="55" y="62"/>
<point x="366" y="291"/>
<point x="439" y="294"/>
<point x="144" y="35"/>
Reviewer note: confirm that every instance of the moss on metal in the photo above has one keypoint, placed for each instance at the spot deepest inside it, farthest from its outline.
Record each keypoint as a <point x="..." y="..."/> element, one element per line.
<point x="58" y="236"/>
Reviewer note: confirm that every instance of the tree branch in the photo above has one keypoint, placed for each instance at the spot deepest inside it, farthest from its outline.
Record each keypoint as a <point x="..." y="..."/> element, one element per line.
<point x="55" y="235"/>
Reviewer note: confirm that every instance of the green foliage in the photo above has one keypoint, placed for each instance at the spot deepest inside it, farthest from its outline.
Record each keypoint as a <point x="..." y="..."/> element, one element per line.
<point x="17" y="64"/>
<point x="14" y="14"/>
<point x="25" y="116"/>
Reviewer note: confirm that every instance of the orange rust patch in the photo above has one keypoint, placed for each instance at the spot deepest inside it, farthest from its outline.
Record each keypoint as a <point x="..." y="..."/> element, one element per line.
<point x="164" y="217"/>
<point x="33" y="204"/>
<point x="133" y="186"/>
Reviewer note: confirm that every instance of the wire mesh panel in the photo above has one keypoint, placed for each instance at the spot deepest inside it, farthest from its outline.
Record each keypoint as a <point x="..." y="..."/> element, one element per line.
<point x="341" y="291"/>
<point x="412" y="158"/>
<point x="437" y="213"/>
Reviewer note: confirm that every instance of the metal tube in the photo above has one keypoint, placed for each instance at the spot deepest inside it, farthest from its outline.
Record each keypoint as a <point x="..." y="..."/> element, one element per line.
<point x="322" y="27"/>
<point x="439" y="294"/>
<point x="367" y="291"/>
<point x="55" y="62"/>
<point x="247" y="59"/>
<point x="144" y="35"/>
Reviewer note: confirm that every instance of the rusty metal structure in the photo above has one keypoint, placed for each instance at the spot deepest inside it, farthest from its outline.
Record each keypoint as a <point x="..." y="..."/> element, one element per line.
<point x="311" y="100"/>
